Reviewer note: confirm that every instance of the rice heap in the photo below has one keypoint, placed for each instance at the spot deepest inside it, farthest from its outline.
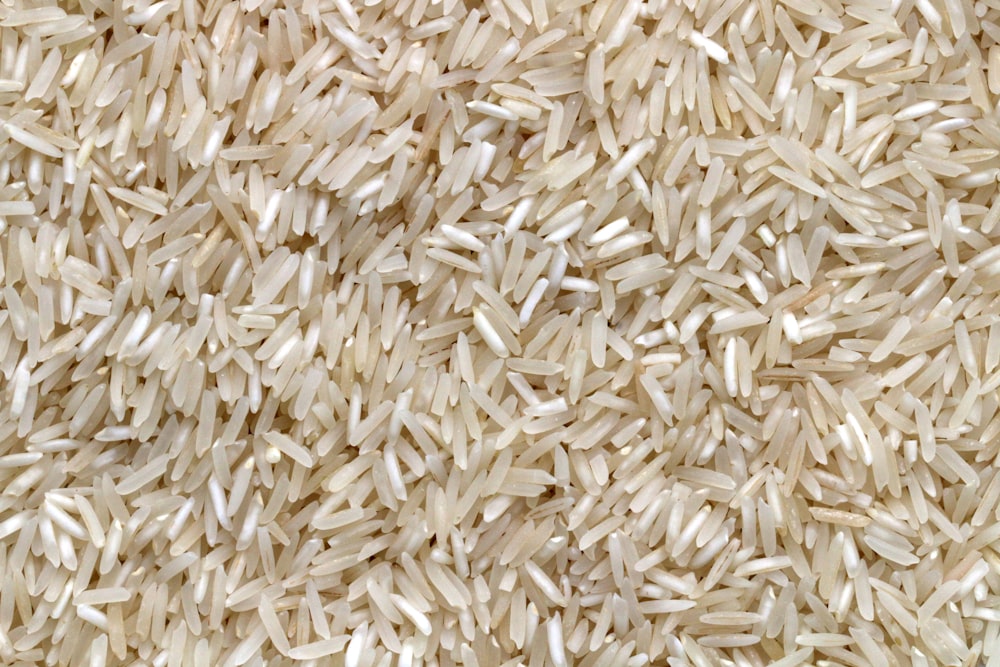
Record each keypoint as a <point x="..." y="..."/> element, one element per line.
<point x="535" y="332"/>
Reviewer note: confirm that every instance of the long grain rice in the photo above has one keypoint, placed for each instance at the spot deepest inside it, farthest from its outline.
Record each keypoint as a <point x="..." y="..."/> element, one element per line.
<point x="542" y="333"/>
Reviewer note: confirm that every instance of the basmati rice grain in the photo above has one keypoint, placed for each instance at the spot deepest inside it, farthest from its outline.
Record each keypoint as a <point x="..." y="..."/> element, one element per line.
<point x="585" y="280"/>
<point x="711" y="48"/>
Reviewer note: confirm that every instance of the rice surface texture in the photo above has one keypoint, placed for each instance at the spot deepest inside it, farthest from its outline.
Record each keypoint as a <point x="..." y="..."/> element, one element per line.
<point x="513" y="333"/>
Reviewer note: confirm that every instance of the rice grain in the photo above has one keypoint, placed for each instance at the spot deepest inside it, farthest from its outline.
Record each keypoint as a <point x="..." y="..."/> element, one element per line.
<point x="390" y="334"/>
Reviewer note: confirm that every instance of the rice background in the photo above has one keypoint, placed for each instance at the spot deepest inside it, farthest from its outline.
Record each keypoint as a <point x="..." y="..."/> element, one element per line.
<point x="522" y="332"/>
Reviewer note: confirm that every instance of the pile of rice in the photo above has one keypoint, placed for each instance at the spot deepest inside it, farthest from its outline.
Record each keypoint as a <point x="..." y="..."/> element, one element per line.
<point x="535" y="332"/>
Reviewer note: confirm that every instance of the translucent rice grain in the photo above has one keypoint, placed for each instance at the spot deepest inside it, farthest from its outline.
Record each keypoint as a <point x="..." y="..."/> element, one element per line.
<point x="600" y="333"/>
<point x="711" y="48"/>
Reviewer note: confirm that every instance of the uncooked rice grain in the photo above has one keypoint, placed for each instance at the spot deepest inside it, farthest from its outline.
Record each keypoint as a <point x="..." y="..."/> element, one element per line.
<point x="542" y="333"/>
